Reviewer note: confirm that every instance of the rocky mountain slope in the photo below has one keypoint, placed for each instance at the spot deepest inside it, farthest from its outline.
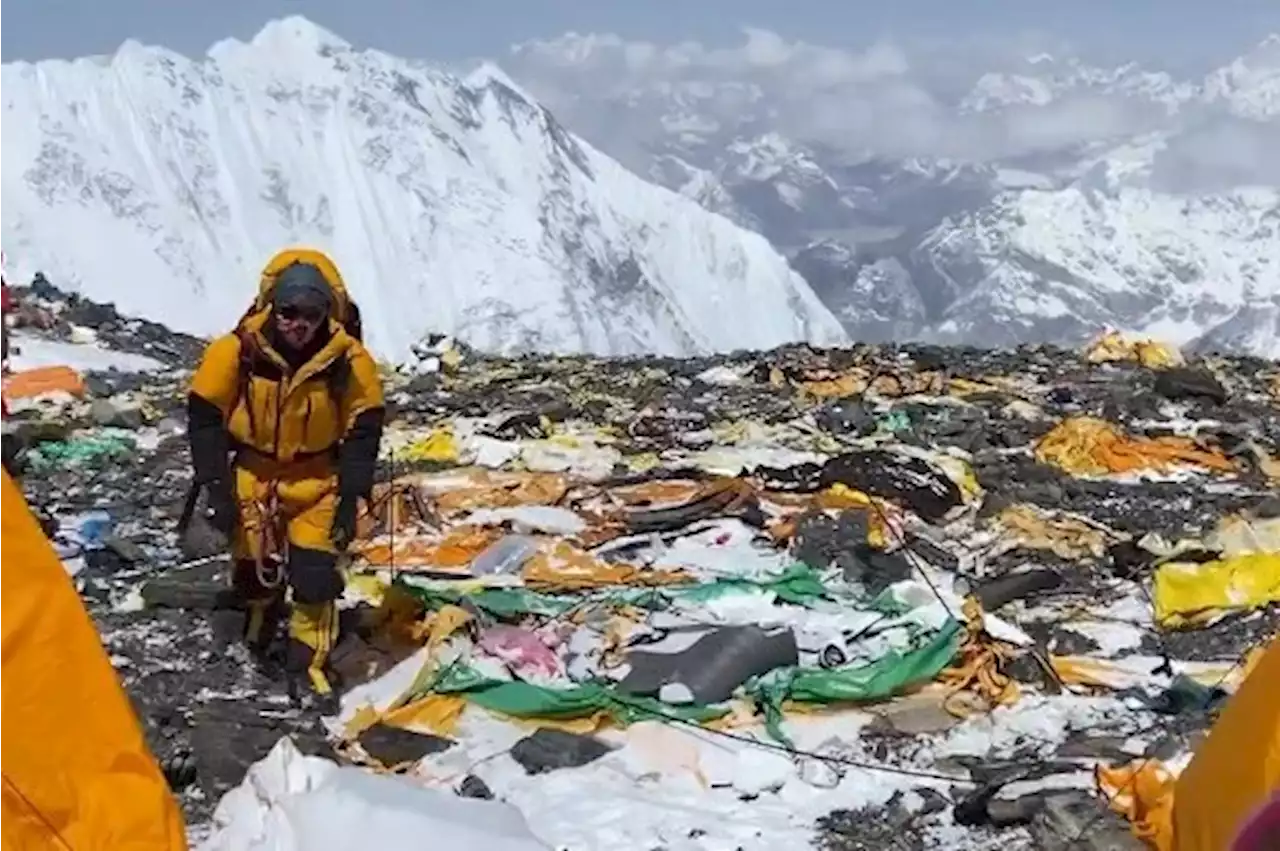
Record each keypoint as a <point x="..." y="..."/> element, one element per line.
<point x="453" y="205"/>
<point x="736" y="469"/>
<point x="940" y="199"/>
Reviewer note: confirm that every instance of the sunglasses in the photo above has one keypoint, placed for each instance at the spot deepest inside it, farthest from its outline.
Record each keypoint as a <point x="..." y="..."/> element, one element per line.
<point x="293" y="312"/>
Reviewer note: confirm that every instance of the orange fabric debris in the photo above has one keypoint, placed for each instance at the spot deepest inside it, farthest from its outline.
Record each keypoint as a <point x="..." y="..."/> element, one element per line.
<point x="1086" y="446"/>
<point x="672" y="492"/>
<point x="455" y="551"/>
<point x="501" y="490"/>
<point x="565" y="566"/>
<point x="1142" y="792"/>
<point x="981" y="660"/>
<point x="45" y="379"/>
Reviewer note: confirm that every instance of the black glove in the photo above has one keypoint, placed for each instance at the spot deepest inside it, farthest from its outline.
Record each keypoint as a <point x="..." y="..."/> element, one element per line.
<point x="344" y="523"/>
<point x="223" y="513"/>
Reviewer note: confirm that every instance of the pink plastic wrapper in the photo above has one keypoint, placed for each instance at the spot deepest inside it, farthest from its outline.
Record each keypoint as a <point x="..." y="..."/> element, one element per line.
<point x="525" y="651"/>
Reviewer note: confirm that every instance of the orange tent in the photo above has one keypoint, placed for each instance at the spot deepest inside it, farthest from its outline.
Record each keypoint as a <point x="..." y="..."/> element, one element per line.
<point x="1237" y="768"/>
<point x="77" y="773"/>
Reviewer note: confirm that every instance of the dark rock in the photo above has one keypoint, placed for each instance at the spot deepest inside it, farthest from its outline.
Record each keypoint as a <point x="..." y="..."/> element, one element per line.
<point x="1078" y="821"/>
<point x="393" y="746"/>
<point x="547" y="750"/>
<point x="474" y="787"/>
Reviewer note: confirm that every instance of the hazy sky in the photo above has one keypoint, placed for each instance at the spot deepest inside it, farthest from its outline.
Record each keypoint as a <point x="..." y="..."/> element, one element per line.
<point x="1167" y="32"/>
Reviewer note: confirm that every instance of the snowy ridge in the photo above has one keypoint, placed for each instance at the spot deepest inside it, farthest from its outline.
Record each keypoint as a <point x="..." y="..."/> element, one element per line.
<point x="451" y="205"/>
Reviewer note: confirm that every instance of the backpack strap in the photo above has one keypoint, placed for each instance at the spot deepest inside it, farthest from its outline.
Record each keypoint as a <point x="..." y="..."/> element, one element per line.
<point x="338" y="379"/>
<point x="352" y="323"/>
<point x="244" y="382"/>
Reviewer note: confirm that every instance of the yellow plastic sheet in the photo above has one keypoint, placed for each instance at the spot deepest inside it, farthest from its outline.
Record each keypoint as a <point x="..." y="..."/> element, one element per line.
<point x="437" y="716"/>
<point x="440" y="445"/>
<point x="1114" y="346"/>
<point x="1187" y="594"/>
<point x="1065" y="536"/>
<point x="1086" y="446"/>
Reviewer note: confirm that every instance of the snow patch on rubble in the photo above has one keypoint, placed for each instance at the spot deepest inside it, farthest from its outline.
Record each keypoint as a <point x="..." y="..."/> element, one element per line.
<point x="1038" y="722"/>
<point x="34" y="352"/>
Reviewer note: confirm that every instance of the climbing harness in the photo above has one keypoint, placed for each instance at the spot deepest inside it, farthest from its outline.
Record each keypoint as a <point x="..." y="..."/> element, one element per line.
<point x="271" y="553"/>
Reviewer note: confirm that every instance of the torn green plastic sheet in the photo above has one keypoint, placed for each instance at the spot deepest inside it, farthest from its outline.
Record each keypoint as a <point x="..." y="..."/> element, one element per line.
<point x="877" y="680"/>
<point x="525" y="700"/>
<point x="798" y="584"/>
<point x="853" y="684"/>
<point x="108" y="444"/>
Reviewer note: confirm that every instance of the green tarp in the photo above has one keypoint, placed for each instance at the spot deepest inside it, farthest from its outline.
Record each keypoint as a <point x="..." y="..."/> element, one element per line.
<point x="878" y="680"/>
<point x="525" y="700"/>
<point x="888" y="675"/>
<point x="799" y="584"/>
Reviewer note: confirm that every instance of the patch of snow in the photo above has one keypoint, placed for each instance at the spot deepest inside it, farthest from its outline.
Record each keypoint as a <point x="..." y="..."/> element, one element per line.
<point x="33" y="352"/>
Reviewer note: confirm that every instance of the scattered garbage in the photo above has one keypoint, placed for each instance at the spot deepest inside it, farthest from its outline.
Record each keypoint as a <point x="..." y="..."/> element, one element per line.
<point x="736" y="601"/>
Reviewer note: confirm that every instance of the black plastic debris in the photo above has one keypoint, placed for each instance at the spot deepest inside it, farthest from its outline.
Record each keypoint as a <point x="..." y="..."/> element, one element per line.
<point x="1185" y="695"/>
<point x="546" y="750"/>
<point x="1018" y="586"/>
<point x="848" y="417"/>
<point x="393" y="746"/>
<point x="824" y="542"/>
<point x="710" y="669"/>
<point x="1182" y="383"/>
<point x="927" y="491"/>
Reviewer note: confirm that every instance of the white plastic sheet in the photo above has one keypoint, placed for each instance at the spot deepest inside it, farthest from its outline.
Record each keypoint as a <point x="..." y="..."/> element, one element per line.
<point x="292" y="802"/>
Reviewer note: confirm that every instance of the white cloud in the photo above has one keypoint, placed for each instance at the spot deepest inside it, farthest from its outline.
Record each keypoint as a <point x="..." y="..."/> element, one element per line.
<point x="893" y="99"/>
<point x="1225" y="153"/>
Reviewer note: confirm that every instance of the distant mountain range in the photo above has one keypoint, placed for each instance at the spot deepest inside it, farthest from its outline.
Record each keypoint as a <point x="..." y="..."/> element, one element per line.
<point x="1038" y="202"/>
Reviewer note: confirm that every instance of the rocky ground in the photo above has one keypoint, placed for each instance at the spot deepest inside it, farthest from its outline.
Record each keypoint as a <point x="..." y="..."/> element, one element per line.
<point x="209" y="713"/>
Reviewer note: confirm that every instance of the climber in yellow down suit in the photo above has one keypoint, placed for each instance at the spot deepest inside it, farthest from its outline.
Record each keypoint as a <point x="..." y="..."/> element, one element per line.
<point x="285" y="416"/>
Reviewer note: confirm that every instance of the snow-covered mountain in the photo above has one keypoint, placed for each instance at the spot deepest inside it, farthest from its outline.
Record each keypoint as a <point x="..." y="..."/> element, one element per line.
<point x="452" y="205"/>
<point x="995" y="199"/>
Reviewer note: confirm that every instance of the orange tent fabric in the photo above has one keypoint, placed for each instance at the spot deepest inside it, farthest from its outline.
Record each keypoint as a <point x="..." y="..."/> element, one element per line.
<point x="1237" y="768"/>
<point x="45" y="379"/>
<point x="77" y="773"/>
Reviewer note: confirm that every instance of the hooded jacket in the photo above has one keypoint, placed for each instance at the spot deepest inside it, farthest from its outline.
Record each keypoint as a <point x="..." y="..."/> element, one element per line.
<point x="246" y="396"/>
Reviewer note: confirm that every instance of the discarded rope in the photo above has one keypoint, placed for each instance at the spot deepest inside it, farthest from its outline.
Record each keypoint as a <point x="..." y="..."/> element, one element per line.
<point x="980" y="670"/>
